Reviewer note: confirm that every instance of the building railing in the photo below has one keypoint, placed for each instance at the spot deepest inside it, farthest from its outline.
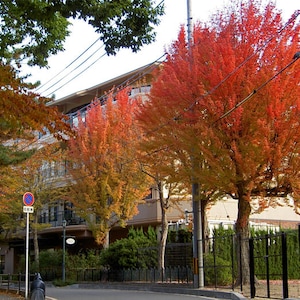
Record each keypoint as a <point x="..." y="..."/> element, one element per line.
<point x="56" y="218"/>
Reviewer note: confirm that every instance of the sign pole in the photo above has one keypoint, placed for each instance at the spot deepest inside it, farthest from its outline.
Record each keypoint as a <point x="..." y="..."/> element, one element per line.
<point x="28" y="200"/>
<point x="26" y="255"/>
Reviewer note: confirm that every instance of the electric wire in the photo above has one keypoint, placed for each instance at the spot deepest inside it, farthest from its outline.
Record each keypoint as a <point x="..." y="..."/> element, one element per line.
<point x="218" y="85"/>
<point x="295" y="15"/>
<point x="256" y="90"/>
<point x="148" y="68"/>
<point x="159" y="4"/>
<point x="80" y="73"/>
<point x="228" y="76"/>
<point x="69" y="65"/>
<point x="296" y="57"/>
<point x="128" y="82"/>
<point x="74" y="69"/>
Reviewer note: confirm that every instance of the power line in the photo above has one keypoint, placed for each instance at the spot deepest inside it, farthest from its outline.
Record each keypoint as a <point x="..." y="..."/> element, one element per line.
<point x="228" y="76"/>
<point x="134" y="78"/>
<point x="296" y="57"/>
<point x="79" y="56"/>
<point x="77" y="74"/>
<point x="295" y="15"/>
<point x="73" y="70"/>
<point x="121" y="86"/>
<point x="218" y="85"/>
<point x="159" y="4"/>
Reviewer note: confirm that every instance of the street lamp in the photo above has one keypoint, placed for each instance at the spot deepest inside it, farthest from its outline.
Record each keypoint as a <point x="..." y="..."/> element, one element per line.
<point x="64" y="224"/>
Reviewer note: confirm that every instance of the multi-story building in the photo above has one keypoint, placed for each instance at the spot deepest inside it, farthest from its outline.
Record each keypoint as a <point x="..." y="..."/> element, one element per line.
<point x="139" y="81"/>
<point x="224" y="212"/>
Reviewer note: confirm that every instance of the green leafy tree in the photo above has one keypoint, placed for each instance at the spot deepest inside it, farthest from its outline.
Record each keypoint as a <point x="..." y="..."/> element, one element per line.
<point x="31" y="31"/>
<point x="34" y="30"/>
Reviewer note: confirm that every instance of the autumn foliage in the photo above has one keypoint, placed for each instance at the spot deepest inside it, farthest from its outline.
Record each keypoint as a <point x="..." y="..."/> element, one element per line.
<point x="23" y="111"/>
<point x="34" y="174"/>
<point x="251" y="152"/>
<point x="107" y="181"/>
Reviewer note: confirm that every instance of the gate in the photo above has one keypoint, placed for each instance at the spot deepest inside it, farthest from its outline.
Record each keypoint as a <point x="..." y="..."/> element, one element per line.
<point x="273" y="261"/>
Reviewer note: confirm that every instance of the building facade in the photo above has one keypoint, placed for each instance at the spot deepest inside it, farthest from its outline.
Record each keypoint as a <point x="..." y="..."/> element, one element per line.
<point x="223" y="212"/>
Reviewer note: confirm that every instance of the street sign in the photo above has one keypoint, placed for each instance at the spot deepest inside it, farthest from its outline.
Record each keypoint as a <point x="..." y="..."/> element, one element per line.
<point x="28" y="199"/>
<point x="70" y="241"/>
<point x="28" y="209"/>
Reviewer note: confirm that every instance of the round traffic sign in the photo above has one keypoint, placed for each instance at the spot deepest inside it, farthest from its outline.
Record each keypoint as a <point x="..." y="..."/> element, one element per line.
<point x="28" y="199"/>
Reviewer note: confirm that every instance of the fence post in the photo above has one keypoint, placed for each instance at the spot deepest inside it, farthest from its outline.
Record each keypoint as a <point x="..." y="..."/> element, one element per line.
<point x="299" y="241"/>
<point x="267" y="237"/>
<point x="285" y="286"/>
<point x="240" y="263"/>
<point x="252" y="269"/>
<point x="214" y="260"/>
<point x="299" y="238"/>
<point x="232" y="261"/>
<point x="20" y="278"/>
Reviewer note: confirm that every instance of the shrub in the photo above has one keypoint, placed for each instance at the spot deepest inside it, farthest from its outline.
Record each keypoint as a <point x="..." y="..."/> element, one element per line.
<point x="217" y="271"/>
<point x="135" y="251"/>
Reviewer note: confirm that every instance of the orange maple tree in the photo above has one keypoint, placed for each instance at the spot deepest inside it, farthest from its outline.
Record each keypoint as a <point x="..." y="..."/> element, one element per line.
<point x="23" y="111"/>
<point x="107" y="180"/>
<point x="23" y="114"/>
<point x="201" y="107"/>
<point x="30" y="175"/>
<point x="43" y="175"/>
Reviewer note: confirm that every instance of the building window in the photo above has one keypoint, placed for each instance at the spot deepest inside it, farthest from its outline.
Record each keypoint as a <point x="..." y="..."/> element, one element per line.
<point x="149" y="196"/>
<point x="152" y="194"/>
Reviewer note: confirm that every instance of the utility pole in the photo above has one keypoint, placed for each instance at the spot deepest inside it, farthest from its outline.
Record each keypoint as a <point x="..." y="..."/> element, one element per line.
<point x="197" y="217"/>
<point x="64" y="224"/>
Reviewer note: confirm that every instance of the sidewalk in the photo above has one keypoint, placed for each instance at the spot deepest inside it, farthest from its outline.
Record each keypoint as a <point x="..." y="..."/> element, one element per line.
<point x="9" y="296"/>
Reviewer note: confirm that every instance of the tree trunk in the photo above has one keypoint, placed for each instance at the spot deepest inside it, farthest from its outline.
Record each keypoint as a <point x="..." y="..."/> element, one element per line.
<point x="243" y="234"/>
<point x="164" y="229"/>
<point x="163" y="240"/>
<point x="106" y="241"/>
<point x="205" y="228"/>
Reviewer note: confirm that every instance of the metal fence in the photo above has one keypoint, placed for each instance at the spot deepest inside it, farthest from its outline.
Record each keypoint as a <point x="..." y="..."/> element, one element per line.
<point x="179" y="274"/>
<point x="13" y="282"/>
<point x="271" y="259"/>
<point x="274" y="261"/>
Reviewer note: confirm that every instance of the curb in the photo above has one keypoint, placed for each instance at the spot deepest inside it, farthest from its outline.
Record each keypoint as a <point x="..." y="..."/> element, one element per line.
<point x="165" y="289"/>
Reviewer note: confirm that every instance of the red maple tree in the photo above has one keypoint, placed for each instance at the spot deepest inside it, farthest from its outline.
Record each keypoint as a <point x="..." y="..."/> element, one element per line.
<point x="201" y="108"/>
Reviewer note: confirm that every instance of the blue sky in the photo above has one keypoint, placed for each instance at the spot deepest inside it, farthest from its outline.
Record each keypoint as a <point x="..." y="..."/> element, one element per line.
<point x="101" y="68"/>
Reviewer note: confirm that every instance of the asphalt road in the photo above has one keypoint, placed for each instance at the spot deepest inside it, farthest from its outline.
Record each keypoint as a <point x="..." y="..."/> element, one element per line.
<point x="111" y="294"/>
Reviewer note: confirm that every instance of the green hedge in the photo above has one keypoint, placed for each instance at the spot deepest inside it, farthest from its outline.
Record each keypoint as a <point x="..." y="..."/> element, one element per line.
<point x="224" y="247"/>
